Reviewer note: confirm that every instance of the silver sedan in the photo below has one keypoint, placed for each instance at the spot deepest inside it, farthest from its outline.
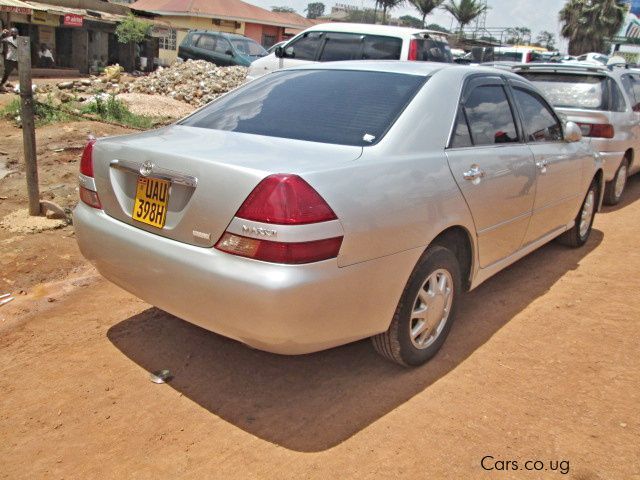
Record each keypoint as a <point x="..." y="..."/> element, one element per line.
<point x="320" y="205"/>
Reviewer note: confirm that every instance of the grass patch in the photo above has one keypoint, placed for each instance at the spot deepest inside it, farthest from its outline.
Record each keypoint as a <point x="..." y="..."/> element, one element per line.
<point x="113" y="110"/>
<point x="45" y="112"/>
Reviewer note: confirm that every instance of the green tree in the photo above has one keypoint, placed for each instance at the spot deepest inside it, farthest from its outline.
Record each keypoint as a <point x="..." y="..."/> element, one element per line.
<point x="410" y="21"/>
<point x="388" y="5"/>
<point x="425" y="7"/>
<point x="315" y="9"/>
<point x="132" y="30"/>
<point x="283" y="9"/>
<point x="518" y="35"/>
<point x="465" y="11"/>
<point x="437" y="28"/>
<point x="547" y="40"/>
<point x="588" y="23"/>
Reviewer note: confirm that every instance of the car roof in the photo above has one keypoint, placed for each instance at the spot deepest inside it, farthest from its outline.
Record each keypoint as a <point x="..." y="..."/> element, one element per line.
<point x="424" y="69"/>
<point x="222" y="34"/>
<point x="370" y="28"/>
<point x="585" y="69"/>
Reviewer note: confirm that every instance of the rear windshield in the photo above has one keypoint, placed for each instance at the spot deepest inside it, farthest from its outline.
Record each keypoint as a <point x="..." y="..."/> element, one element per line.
<point x="329" y="106"/>
<point x="434" y="50"/>
<point x="572" y="91"/>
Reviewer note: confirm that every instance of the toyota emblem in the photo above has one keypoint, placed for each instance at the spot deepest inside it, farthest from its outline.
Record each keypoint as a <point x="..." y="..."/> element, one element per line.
<point x="146" y="168"/>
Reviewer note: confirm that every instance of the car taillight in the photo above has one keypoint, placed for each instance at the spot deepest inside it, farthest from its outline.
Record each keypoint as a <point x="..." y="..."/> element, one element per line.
<point x="597" y="130"/>
<point x="528" y="57"/>
<point x="413" y="50"/>
<point x="285" y="200"/>
<point x="86" y="162"/>
<point x="88" y="193"/>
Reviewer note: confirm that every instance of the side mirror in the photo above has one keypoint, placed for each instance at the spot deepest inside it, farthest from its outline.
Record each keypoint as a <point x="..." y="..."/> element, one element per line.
<point x="572" y="132"/>
<point x="229" y="52"/>
<point x="279" y="51"/>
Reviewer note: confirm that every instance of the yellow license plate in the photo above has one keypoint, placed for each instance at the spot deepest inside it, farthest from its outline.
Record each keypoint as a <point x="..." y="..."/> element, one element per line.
<point x="152" y="198"/>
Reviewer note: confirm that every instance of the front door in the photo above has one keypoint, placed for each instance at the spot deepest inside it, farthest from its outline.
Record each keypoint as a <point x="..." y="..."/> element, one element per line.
<point x="558" y="164"/>
<point x="493" y="168"/>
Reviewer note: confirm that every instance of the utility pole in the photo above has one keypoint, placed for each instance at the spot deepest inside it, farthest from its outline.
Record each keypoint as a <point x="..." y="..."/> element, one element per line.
<point x="28" y="124"/>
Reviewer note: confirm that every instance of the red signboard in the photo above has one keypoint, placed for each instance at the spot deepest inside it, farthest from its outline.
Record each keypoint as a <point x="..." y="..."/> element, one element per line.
<point x="72" y="20"/>
<point x="12" y="9"/>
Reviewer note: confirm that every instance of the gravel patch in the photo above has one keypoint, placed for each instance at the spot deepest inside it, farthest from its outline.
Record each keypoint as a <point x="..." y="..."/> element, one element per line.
<point x="155" y="105"/>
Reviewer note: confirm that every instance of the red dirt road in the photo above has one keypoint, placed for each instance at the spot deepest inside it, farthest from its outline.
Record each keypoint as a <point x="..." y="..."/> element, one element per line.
<point x="542" y="365"/>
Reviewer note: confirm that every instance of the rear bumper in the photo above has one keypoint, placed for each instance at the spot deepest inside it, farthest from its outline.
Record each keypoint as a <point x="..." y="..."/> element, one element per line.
<point x="611" y="162"/>
<point x="288" y="309"/>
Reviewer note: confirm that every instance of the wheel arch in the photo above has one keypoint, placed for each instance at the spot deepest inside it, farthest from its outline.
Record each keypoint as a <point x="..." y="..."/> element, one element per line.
<point x="458" y="239"/>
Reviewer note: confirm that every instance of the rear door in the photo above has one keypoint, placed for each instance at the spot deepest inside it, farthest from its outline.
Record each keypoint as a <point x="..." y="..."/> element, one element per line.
<point x="493" y="168"/>
<point x="205" y="48"/>
<point x="559" y="166"/>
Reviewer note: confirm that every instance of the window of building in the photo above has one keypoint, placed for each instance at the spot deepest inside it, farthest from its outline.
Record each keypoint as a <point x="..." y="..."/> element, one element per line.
<point x="168" y="43"/>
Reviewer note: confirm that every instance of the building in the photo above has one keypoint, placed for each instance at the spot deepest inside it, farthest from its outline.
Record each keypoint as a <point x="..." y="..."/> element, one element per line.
<point x="231" y="16"/>
<point x="79" y="33"/>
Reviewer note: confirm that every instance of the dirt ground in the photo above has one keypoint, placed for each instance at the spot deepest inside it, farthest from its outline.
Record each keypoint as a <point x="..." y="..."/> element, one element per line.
<point x="541" y="366"/>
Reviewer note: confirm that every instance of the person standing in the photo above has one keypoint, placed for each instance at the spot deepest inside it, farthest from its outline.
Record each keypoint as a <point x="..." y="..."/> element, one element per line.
<point x="10" y="55"/>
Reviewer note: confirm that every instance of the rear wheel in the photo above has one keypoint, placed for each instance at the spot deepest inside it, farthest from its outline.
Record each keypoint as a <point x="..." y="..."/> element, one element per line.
<point x="425" y="312"/>
<point x="613" y="189"/>
<point x="579" y="233"/>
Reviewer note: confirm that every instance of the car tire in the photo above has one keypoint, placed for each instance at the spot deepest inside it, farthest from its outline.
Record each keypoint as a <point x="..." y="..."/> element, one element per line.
<point x="613" y="190"/>
<point x="579" y="233"/>
<point x="434" y="286"/>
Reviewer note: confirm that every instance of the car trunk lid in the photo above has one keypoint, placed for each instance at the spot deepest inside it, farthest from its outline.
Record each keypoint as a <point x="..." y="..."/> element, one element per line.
<point x="211" y="172"/>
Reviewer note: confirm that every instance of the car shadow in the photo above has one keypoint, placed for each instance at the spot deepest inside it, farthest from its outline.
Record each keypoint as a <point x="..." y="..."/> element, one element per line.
<point x="313" y="402"/>
<point x="630" y="195"/>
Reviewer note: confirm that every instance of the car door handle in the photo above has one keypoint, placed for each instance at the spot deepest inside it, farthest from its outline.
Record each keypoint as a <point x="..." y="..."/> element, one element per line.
<point x="542" y="165"/>
<point x="475" y="173"/>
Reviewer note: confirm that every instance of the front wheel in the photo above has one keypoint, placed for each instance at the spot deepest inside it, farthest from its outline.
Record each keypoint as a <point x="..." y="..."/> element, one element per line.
<point x="425" y="312"/>
<point x="613" y="189"/>
<point x="579" y="233"/>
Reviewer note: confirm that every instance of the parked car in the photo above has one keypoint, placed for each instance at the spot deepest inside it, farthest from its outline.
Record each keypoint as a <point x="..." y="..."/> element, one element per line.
<point x="516" y="54"/>
<point x="223" y="49"/>
<point x="272" y="48"/>
<point x="354" y="41"/>
<point x="294" y="216"/>
<point x="606" y="106"/>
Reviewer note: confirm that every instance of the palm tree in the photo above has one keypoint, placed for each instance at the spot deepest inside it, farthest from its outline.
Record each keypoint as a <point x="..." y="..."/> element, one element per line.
<point x="588" y="23"/>
<point x="465" y="11"/>
<point x="425" y="7"/>
<point x="388" y="5"/>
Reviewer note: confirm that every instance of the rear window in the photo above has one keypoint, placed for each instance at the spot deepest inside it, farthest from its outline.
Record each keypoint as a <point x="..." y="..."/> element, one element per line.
<point x="329" y="106"/>
<point x="434" y="50"/>
<point x="572" y="91"/>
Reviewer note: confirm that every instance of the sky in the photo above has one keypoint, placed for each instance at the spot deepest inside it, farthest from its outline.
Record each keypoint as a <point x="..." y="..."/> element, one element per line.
<point x="537" y="15"/>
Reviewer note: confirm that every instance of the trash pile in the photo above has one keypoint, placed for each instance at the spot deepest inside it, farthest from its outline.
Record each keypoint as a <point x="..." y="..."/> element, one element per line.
<point x="195" y="82"/>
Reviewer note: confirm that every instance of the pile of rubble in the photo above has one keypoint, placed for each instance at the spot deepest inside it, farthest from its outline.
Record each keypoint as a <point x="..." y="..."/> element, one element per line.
<point x="195" y="82"/>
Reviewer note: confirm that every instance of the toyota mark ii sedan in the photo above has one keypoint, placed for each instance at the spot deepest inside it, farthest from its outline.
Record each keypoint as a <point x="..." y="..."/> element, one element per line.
<point x="328" y="203"/>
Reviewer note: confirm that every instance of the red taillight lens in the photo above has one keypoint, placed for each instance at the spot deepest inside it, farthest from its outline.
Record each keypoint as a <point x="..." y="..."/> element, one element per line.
<point x="597" y="130"/>
<point x="413" y="50"/>
<point x="90" y="197"/>
<point x="285" y="200"/>
<point x="86" y="162"/>
<point x="528" y="57"/>
<point x="280" y="252"/>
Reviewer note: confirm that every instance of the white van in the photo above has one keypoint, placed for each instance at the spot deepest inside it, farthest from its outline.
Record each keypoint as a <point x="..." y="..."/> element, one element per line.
<point x="517" y="54"/>
<point x="330" y="42"/>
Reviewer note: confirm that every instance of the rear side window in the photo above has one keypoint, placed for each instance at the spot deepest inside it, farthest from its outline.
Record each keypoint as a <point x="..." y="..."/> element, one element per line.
<point x="222" y="45"/>
<point x="381" y="48"/>
<point x="461" y="136"/>
<point x="631" y="85"/>
<point x="540" y="124"/>
<point x="208" y="42"/>
<point x="489" y="116"/>
<point x="314" y="105"/>
<point x="341" y="46"/>
<point x="305" y="47"/>
<point x="617" y="103"/>
<point x="572" y="91"/>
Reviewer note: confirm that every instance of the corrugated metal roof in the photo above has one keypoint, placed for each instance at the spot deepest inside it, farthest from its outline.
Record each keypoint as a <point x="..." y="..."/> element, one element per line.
<point x="235" y="10"/>
<point x="56" y="8"/>
<point x="17" y="4"/>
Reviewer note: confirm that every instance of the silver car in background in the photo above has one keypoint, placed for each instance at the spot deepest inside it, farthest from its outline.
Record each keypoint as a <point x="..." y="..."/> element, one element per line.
<point x="606" y="105"/>
<point x="320" y="205"/>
